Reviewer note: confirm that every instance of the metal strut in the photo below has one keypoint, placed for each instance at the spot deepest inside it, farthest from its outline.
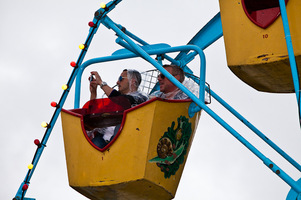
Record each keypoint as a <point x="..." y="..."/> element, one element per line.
<point x="197" y="44"/>
<point x="99" y="14"/>
<point x="290" y="50"/>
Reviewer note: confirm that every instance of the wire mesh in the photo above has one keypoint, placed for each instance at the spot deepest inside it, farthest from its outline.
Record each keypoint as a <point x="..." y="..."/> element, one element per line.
<point x="149" y="79"/>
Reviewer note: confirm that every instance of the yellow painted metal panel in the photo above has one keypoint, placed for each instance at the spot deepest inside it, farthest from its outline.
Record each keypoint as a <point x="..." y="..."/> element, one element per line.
<point x="256" y="55"/>
<point x="124" y="170"/>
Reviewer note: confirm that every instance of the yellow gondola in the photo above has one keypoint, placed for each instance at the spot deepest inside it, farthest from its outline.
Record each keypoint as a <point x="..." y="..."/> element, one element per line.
<point x="145" y="159"/>
<point x="255" y="42"/>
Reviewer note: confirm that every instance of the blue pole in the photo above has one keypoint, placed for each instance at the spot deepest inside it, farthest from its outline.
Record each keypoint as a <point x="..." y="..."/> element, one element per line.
<point x="133" y="55"/>
<point x="21" y="192"/>
<point x="146" y="56"/>
<point x="211" y="32"/>
<point x="291" y="54"/>
<point x="127" y="46"/>
<point x="265" y="160"/>
<point x="255" y="130"/>
<point x="131" y="35"/>
<point x="201" y="104"/>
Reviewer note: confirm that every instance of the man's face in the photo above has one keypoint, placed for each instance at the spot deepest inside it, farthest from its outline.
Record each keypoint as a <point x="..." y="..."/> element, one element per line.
<point x="123" y="84"/>
<point x="166" y="85"/>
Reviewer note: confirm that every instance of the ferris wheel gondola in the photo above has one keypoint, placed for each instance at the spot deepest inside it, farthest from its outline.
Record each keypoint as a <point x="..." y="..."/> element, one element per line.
<point x="147" y="155"/>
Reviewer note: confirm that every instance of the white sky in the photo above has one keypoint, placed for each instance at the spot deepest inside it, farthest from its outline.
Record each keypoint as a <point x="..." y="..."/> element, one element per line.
<point x="40" y="38"/>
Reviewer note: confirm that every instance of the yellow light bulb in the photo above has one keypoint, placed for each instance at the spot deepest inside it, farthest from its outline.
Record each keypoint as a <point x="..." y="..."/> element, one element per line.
<point x="81" y="46"/>
<point x="64" y="87"/>
<point x="30" y="166"/>
<point x="44" y="124"/>
<point x="103" y="5"/>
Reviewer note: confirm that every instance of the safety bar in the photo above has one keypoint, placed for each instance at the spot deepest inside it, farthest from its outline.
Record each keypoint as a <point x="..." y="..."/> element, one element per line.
<point x="133" y="55"/>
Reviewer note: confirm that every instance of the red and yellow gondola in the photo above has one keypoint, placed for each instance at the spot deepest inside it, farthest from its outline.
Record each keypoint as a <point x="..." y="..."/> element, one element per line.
<point x="145" y="159"/>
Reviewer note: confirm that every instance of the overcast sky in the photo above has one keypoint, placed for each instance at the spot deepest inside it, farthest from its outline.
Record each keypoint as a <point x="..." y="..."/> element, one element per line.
<point x="40" y="38"/>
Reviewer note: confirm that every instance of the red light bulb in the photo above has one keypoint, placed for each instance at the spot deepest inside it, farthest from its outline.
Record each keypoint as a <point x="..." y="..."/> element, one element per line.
<point x="91" y="24"/>
<point x="37" y="142"/>
<point x="53" y="104"/>
<point x="73" y="64"/>
<point x="24" y="187"/>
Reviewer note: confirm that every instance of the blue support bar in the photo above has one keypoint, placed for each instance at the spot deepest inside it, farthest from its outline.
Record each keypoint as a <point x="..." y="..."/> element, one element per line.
<point x="294" y="69"/>
<point x="133" y="55"/>
<point x="122" y="43"/>
<point x="255" y="130"/>
<point x="206" y="36"/>
<point x="211" y="32"/>
<point x="127" y="46"/>
<point x="131" y="35"/>
<point x="21" y="193"/>
<point x="173" y="61"/>
<point x="293" y="195"/>
<point x="201" y="104"/>
<point x="146" y="56"/>
<point x="265" y="160"/>
<point x="100" y="13"/>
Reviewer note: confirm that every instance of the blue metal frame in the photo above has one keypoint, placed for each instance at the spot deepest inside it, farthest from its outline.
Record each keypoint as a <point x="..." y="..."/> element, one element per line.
<point x="133" y="55"/>
<point x="199" y="102"/>
<point x="21" y="193"/>
<point x="209" y="34"/>
<point x="255" y="130"/>
<point x="290" y="50"/>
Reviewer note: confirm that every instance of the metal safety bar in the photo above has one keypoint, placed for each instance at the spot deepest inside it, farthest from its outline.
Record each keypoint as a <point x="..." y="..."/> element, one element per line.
<point x="115" y="58"/>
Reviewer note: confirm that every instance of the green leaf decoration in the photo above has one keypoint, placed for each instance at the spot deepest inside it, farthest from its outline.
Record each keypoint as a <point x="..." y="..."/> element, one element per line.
<point x="179" y="139"/>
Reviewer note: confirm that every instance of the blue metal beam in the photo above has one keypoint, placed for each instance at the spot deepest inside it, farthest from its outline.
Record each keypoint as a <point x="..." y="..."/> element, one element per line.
<point x="254" y="129"/>
<point x="21" y="192"/>
<point x="290" y="50"/>
<point x="206" y="36"/>
<point x="211" y="32"/>
<point x="128" y="55"/>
